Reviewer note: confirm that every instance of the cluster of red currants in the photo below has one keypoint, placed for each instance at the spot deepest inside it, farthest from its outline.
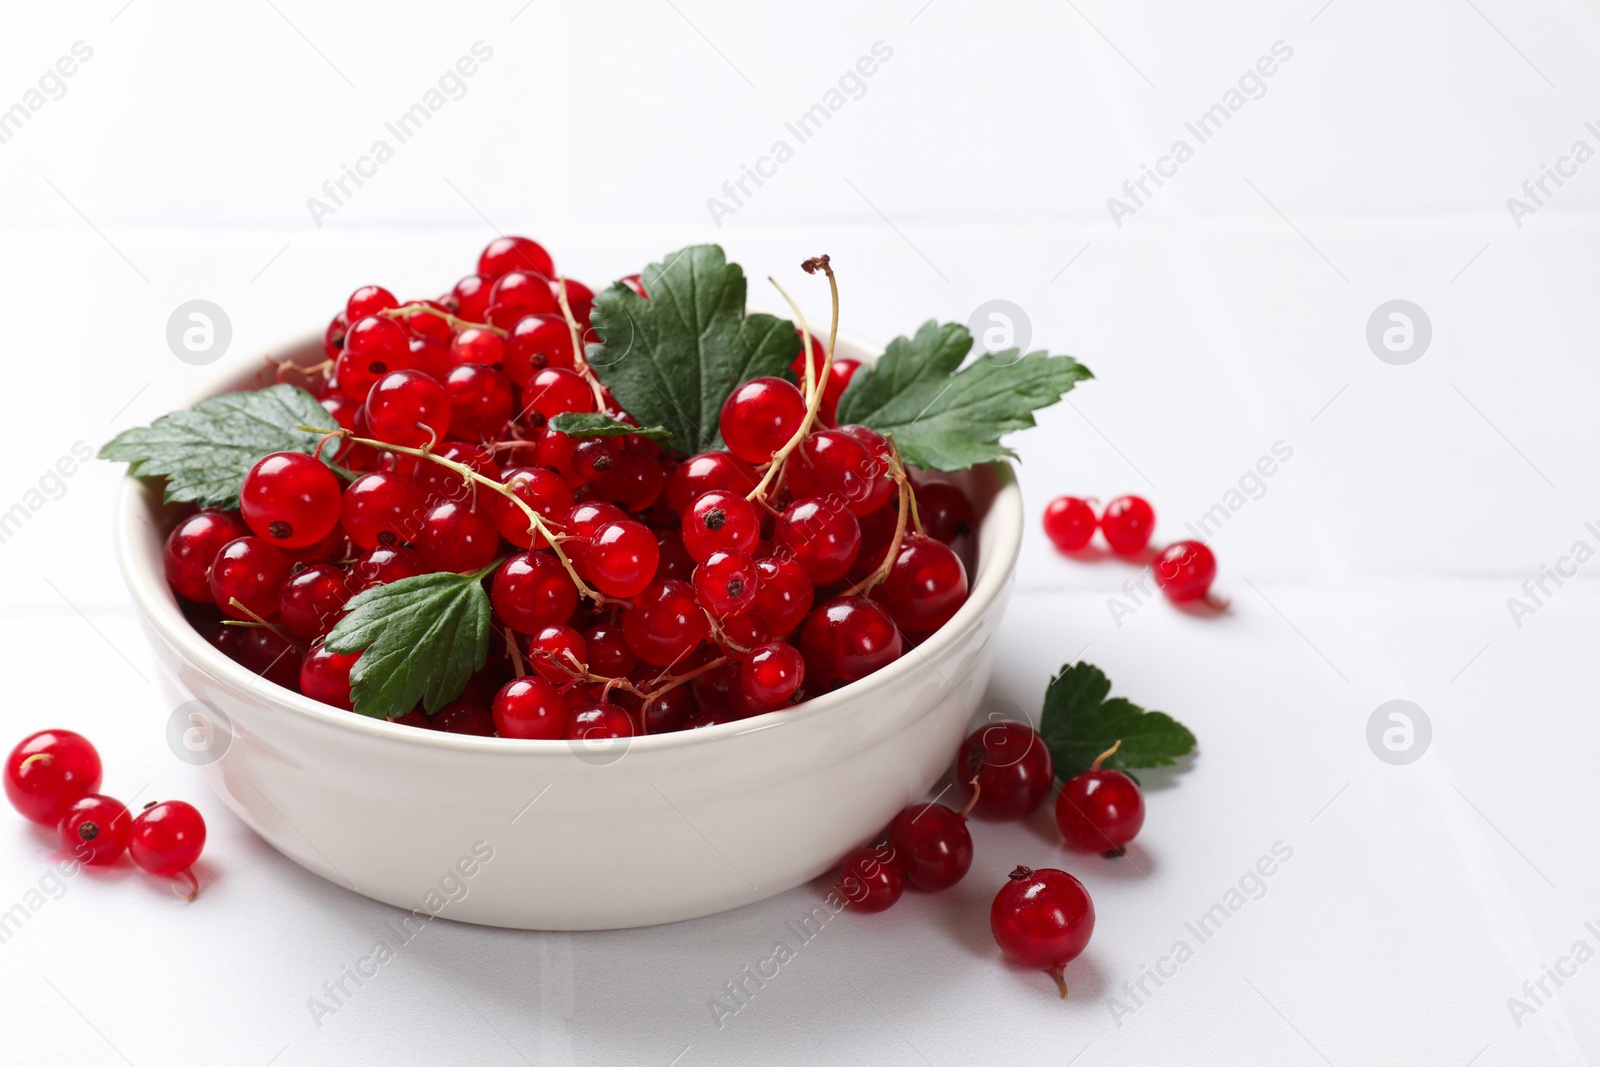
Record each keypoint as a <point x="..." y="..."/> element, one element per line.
<point x="1184" y="569"/>
<point x="638" y="590"/>
<point x="1040" y="918"/>
<point x="51" y="778"/>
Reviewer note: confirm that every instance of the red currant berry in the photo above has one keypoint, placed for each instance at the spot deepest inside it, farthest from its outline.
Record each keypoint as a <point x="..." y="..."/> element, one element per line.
<point x="349" y="415"/>
<point x="369" y="300"/>
<point x="192" y="547"/>
<point x="705" y="472"/>
<point x="599" y="722"/>
<point x="848" y="638"/>
<point x="464" y="717"/>
<point x="554" y="453"/>
<point x="1127" y="524"/>
<point x="725" y="584"/>
<point x="470" y="297"/>
<point x="871" y="879"/>
<point x="1185" y="571"/>
<point x="772" y="673"/>
<point x="477" y="345"/>
<point x="836" y="464"/>
<point x="271" y="655"/>
<point x="536" y="343"/>
<point x="1100" y="810"/>
<point x="556" y="391"/>
<point x="945" y="511"/>
<point x="1012" y="766"/>
<point x="543" y="491"/>
<point x="675" y="561"/>
<point x="720" y="521"/>
<point x="428" y="355"/>
<point x="530" y="708"/>
<point x="438" y="483"/>
<point x="877" y="535"/>
<point x="784" y="595"/>
<point x="632" y="282"/>
<point x="821" y="535"/>
<point x="668" y="711"/>
<point x="839" y="374"/>
<point x="167" y="839"/>
<point x="430" y="327"/>
<point x="481" y="401"/>
<point x="519" y="293"/>
<point x="1042" y="919"/>
<point x="50" y="771"/>
<point x="926" y="585"/>
<point x="621" y="558"/>
<point x="933" y="845"/>
<point x="664" y="624"/>
<point x="95" y="829"/>
<point x="634" y="481"/>
<point x="291" y="499"/>
<point x="333" y="336"/>
<point x="325" y="676"/>
<point x="1069" y="523"/>
<point x="557" y="653"/>
<point x="593" y="456"/>
<point x="454" y="537"/>
<point x="409" y="408"/>
<point x="609" y="653"/>
<point x="760" y="417"/>
<point x="313" y="600"/>
<point x="250" y="571"/>
<point x="384" y="564"/>
<point x="580" y="298"/>
<point x="373" y="347"/>
<point x="514" y="253"/>
<point x="381" y="509"/>
<point x="531" y="590"/>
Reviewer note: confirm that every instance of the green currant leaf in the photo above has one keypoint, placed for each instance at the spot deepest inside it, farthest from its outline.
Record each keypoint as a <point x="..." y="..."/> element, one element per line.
<point x="420" y="638"/>
<point x="1080" y="722"/>
<point x="671" y="360"/>
<point x="204" y="453"/>
<point x="945" y="417"/>
<point x="594" y="424"/>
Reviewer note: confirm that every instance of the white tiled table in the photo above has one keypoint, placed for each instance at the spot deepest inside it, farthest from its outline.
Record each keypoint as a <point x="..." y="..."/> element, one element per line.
<point x="1226" y="315"/>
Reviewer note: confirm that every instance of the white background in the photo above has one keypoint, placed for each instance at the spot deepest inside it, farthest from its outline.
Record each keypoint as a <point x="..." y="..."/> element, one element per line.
<point x="1228" y="314"/>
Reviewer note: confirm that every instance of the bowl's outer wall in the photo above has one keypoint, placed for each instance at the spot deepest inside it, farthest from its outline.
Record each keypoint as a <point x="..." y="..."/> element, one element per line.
<point x="551" y="836"/>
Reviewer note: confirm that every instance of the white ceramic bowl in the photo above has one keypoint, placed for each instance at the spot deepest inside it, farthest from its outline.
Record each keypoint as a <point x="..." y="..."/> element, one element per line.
<point x="549" y="835"/>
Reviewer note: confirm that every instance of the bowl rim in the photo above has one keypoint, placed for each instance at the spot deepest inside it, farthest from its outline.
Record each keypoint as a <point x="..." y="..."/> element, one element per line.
<point x="1001" y="534"/>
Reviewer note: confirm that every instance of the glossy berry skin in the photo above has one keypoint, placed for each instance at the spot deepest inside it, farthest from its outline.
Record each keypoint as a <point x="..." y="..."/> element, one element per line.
<point x="325" y="676"/>
<point x="385" y="564"/>
<point x="313" y="599"/>
<point x="621" y="558"/>
<point x="1069" y="523"/>
<point x="634" y="481"/>
<point x="609" y="654"/>
<point x="167" y="837"/>
<point x="470" y="297"/>
<point x="95" y="829"/>
<point x="599" y="722"/>
<point x="593" y="456"/>
<point x="192" y="547"/>
<point x="771" y="673"/>
<point x="926" y="585"/>
<point x="945" y="510"/>
<point x="454" y="537"/>
<point x="536" y="343"/>
<point x="381" y="508"/>
<point x="848" y="638"/>
<point x="368" y="300"/>
<point x="820" y="535"/>
<point x="531" y="590"/>
<point x="580" y="298"/>
<point x="720" y="521"/>
<point x="504" y="254"/>
<point x="1042" y="919"/>
<point x="1127" y="524"/>
<point x="252" y="572"/>
<point x="477" y="345"/>
<point x="50" y="771"/>
<point x="1185" y="571"/>
<point x="520" y="292"/>
<point x="1100" y="811"/>
<point x="291" y="499"/>
<point x="1013" y="767"/>
<point x="408" y="407"/>
<point x="541" y="490"/>
<point x="556" y="391"/>
<point x="725" y="584"/>
<point x="271" y="655"/>
<point x="760" y="417"/>
<point x="556" y="652"/>
<point x="464" y="717"/>
<point x="871" y="879"/>
<point x="481" y="401"/>
<point x="580" y="524"/>
<point x="838" y="464"/>
<point x="530" y="708"/>
<point x="664" y="624"/>
<point x="373" y="347"/>
<point x="705" y="472"/>
<point x="784" y="595"/>
<point x="933" y="845"/>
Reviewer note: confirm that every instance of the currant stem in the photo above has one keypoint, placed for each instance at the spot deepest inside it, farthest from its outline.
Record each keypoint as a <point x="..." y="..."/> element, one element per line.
<point x="194" y="884"/>
<point x="1107" y="754"/>
<point x="536" y="523"/>
<point x="456" y="322"/>
<point x="579" y="363"/>
<point x="907" y="505"/>
<point x="1061" y="980"/>
<point x="518" y="667"/>
<point x="816" y="377"/>
<point x="258" y="621"/>
<point x="44" y="758"/>
<point x="972" y="803"/>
